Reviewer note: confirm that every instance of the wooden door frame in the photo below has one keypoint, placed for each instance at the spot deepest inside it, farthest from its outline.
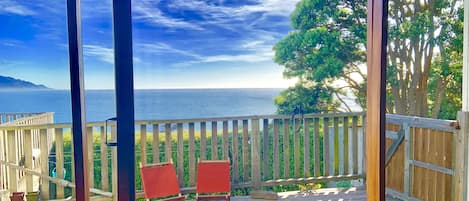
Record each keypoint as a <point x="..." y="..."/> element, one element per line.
<point x="376" y="99"/>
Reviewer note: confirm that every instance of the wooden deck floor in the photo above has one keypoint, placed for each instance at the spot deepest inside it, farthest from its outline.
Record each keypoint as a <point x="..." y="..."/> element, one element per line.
<point x="327" y="194"/>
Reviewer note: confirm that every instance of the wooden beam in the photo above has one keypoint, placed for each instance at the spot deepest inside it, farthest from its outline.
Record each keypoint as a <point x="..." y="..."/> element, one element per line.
<point x="376" y="97"/>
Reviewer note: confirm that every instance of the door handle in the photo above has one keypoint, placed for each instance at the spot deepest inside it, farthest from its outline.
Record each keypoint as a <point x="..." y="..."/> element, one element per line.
<point x="110" y="123"/>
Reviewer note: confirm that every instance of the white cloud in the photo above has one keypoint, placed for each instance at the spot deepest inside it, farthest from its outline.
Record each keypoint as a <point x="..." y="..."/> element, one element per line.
<point x="148" y="11"/>
<point x="14" y="7"/>
<point x="254" y="51"/>
<point x="103" y="53"/>
<point x="163" y="48"/>
<point x="225" y="15"/>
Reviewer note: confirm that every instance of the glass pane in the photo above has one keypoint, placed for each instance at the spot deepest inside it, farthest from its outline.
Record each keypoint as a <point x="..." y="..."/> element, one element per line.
<point x="35" y="91"/>
<point x="424" y="80"/>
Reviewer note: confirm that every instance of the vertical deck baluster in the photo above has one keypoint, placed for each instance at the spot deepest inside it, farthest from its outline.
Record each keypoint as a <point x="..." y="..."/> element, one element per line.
<point x="355" y="144"/>
<point x="276" y="150"/>
<point x="89" y="135"/>
<point x="2" y="147"/>
<point x="245" y="151"/>
<point x="326" y="156"/>
<point x="12" y="158"/>
<point x="255" y="154"/>
<point x="156" y="143"/>
<point x="191" y="154"/>
<point x="225" y="141"/>
<point x="346" y="145"/>
<point x="168" y="143"/>
<point x="296" y="146"/>
<point x="316" y="152"/>
<point x="336" y="150"/>
<point x="143" y="144"/>
<point x="203" y="140"/>
<point x="235" y="158"/>
<point x="286" y="149"/>
<point x="104" y="160"/>
<point x="266" y="149"/>
<point x="59" y="160"/>
<point x="28" y="159"/>
<point x="44" y="163"/>
<point x="306" y="152"/>
<point x="214" y="141"/>
<point x="180" y="154"/>
<point x="114" y="163"/>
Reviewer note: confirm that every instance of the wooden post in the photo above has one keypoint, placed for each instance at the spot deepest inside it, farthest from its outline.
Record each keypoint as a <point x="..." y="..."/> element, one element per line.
<point x="12" y="158"/>
<point x="114" y="164"/>
<point x="265" y="148"/>
<point x="28" y="158"/>
<point x="255" y="154"/>
<point x="168" y="143"/>
<point x="376" y="99"/>
<point x="156" y="143"/>
<point x="44" y="163"/>
<point x="180" y="154"/>
<point x="59" y="161"/>
<point x="104" y="161"/>
<point x="235" y="152"/>
<point x="408" y="155"/>
<point x="143" y="144"/>
<point x="90" y="154"/>
<point x="191" y="154"/>
<point x="461" y="176"/>
<point x="203" y="140"/>
<point x="214" y="141"/>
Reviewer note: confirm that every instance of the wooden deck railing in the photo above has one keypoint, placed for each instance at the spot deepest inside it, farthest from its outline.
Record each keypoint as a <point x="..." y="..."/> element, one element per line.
<point x="422" y="165"/>
<point x="264" y="150"/>
<point x="17" y="146"/>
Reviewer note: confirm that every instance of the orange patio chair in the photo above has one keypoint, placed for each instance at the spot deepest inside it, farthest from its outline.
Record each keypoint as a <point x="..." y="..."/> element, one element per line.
<point x="213" y="180"/>
<point x="160" y="181"/>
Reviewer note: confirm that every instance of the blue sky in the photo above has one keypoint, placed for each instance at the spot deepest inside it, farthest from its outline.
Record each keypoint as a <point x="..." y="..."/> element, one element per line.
<point x="177" y="43"/>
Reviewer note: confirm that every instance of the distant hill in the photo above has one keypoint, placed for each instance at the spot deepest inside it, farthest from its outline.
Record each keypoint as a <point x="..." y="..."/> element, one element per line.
<point x="12" y="83"/>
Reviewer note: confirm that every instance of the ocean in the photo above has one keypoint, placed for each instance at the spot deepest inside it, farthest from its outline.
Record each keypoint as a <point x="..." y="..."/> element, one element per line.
<point x="149" y="104"/>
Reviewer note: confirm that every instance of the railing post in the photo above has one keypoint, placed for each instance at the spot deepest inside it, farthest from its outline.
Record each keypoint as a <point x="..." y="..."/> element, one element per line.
<point x="408" y="155"/>
<point x="28" y="158"/>
<point x="461" y="177"/>
<point x="255" y="154"/>
<point x="114" y="164"/>
<point x="44" y="163"/>
<point x="59" y="160"/>
<point x="12" y="158"/>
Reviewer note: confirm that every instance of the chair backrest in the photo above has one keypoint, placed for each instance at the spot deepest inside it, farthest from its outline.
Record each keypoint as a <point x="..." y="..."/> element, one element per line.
<point x="213" y="177"/>
<point x="159" y="180"/>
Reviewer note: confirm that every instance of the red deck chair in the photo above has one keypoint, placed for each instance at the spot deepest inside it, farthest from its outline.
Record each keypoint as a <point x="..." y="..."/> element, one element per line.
<point x="213" y="180"/>
<point x="160" y="181"/>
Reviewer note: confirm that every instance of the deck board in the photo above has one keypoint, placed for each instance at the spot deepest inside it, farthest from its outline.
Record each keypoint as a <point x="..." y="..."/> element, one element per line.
<point x="326" y="194"/>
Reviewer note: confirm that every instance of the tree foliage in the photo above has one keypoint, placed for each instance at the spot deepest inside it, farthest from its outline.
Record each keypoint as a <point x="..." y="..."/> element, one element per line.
<point x="327" y="48"/>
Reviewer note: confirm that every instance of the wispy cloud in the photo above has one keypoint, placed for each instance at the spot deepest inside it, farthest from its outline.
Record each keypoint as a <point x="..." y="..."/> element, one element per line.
<point x="11" y="43"/>
<point x="103" y="53"/>
<point x="253" y="51"/>
<point x="14" y="7"/>
<point x="99" y="52"/>
<point x="148" y="11"/>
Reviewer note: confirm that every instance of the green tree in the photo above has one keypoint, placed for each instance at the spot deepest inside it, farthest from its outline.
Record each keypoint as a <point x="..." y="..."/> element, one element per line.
<point x="310" y="99"/>
<point x="327" y="48"/>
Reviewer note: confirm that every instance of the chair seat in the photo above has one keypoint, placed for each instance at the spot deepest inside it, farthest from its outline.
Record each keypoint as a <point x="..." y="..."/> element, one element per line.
<point x="213" y="197"/>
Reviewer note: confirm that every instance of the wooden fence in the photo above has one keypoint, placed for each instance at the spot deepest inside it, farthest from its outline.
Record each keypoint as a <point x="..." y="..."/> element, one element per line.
<point x="264" y="150"/>
<point x="422" y="166"/>
<point x="15" y="144"/>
